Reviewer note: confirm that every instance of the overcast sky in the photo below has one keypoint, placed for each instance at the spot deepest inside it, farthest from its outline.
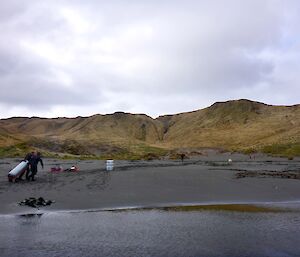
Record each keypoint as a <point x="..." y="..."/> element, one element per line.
<point x="70" y="58"/>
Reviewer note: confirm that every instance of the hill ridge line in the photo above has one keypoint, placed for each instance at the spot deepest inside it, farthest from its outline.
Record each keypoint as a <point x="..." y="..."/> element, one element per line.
<point x="163" y="115"/>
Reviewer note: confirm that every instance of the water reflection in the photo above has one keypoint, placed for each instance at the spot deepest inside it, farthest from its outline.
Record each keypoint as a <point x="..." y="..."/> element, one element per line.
<point x="153" y="233"/>
<point x="30" y="215"/>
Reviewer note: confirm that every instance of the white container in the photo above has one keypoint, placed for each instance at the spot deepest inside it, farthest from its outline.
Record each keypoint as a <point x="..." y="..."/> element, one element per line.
<point x="16" y="171"/>
<point x="109" y="165"/>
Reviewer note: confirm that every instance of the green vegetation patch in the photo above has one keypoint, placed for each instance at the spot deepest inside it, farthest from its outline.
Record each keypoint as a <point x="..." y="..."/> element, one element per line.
<point x="286" y="150"/>
<point x="249" y="151"/>
<point x="17" y="150"/>
<point x="137" y="152"/>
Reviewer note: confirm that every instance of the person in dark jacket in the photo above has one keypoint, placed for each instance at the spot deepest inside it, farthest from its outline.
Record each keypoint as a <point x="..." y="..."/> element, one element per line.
<point x="182" y="156"/>
<point x="33" y="162"/>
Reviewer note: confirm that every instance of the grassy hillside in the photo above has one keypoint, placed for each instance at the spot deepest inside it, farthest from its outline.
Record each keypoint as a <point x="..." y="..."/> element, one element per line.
<point x="119" y="134"/>
<point x="240" y="125"/>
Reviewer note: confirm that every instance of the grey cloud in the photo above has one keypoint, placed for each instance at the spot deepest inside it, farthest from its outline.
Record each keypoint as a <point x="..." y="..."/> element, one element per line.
<point x="11" y="9"/>
<point x="146" y="56"/>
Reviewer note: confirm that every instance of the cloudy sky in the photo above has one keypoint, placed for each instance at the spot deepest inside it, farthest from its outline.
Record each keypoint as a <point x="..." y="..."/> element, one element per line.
<point x="70" y="58"/>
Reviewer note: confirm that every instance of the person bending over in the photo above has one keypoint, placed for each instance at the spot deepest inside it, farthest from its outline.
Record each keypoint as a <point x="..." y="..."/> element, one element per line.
<point x="27" y="171"/>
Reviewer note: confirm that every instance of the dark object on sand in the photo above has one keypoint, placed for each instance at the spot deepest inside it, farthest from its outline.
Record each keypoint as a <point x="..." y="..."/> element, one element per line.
<point x="265" y="174"/>
<point x="72" y="169"/>
<point x="36" y="202"/>
<point x="17" y="171"/>
<point x="58" y="169"/>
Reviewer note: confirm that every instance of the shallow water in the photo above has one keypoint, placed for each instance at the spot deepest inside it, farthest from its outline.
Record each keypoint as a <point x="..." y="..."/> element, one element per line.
<point x="152" y="233"/>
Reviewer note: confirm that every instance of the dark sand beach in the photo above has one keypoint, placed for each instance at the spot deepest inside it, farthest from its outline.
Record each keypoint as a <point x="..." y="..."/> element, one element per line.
<point x="127" y="211"/>
<point x="203" y="180"/>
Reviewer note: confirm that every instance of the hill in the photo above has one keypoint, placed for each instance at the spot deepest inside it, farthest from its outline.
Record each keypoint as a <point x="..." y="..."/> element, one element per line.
<point x="239" y="125"/>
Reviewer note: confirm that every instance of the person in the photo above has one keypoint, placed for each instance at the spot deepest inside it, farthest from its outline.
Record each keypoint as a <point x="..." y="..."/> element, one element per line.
<point x="27" y="171"/>
<point x="33" y="162"/>
<point x="182" y="156"/>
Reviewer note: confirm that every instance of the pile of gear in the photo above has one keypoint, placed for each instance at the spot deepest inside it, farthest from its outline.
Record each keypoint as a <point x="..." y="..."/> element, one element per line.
<point x="36" y="202"/>
<point x="59" y="168"/>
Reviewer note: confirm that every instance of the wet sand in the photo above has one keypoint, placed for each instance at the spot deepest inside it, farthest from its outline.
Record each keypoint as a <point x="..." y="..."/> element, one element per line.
<point x="201" y="180"/>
